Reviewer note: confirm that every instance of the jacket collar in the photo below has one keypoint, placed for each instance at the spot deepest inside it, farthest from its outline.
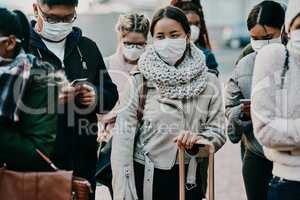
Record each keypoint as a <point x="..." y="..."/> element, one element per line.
<point x="71" y="44"/>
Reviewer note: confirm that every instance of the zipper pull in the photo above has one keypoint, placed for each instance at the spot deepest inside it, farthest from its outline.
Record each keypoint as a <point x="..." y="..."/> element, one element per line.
<point x="84" y="65"/>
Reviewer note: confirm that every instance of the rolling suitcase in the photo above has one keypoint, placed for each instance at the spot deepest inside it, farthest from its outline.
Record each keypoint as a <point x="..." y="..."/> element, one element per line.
<point x="211" y="189"/>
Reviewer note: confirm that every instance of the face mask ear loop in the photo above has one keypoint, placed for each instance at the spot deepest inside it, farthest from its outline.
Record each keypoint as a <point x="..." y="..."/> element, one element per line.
<point x="83" y="63"/>
<point x="40" y="55"/>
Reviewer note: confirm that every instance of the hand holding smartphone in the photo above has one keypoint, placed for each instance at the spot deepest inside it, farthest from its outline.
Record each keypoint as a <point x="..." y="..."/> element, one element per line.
<point x="246" y="108"/>
<point x="246" y="102"/>
<point x="78" y="82"/>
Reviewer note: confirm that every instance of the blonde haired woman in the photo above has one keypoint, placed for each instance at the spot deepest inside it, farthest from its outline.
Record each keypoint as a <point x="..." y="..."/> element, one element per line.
<point x="132" y="30"/>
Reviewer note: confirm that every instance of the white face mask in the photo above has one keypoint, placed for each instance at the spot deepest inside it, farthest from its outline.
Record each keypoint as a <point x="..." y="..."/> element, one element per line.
<point x="195" y="33"/>
<point x="294" y="43"/>
<point x="132" y="53"/>
<point x="56" y="32"/>
<point x="170" y="50"/>
<point x="259" y="44"/>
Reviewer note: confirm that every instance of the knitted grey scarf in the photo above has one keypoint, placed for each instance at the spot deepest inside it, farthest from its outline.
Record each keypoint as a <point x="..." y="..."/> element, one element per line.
<point x="185" y="81"/>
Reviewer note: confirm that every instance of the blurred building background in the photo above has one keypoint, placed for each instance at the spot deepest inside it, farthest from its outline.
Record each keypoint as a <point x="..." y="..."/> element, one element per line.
<point x="225" y="19"/>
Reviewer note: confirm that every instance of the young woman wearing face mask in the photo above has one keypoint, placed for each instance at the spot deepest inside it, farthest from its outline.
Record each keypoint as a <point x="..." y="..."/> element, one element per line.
<point x="265" y="23"/>
<point x="183" y="108"/>
<point x="132" y="30"/>
<point x="24" y="86"/>
<point x="199" y="34"/>
<point x="275" y="108"/>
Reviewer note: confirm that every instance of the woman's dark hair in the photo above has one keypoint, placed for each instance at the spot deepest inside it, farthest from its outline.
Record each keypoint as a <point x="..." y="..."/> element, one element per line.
<point x="171" y="12"/>
<point x="267" y="13"/>
<point x="194" y="6"/>
<point x="51" y="3"/>
<point x="15" y="23"/>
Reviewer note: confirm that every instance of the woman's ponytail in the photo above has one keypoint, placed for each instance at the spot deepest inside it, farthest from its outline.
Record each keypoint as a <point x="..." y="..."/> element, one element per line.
<point x="24" y="27"/>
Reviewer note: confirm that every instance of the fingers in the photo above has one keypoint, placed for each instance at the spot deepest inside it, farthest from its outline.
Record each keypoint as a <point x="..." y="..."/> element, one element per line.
<point x="186" y="140"/>
<point x="66" y="94"/>
<point x="178" y="139"/>
<point x="87" y="95"/>
<point x="87" y="101"/>
<point x="68" y="89"/>
<point x="86" y="88"/>
<point x="194" y="140"/>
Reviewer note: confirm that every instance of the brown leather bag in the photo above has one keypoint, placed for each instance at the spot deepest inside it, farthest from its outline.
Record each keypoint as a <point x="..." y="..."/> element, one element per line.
<point x="58" y="185"/>
<point x="35" y="185"/>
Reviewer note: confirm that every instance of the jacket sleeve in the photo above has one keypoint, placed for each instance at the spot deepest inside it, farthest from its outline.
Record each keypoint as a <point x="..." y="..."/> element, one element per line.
<point x="123" y="144"/>
<point x="106" y="90"/>
<point x="246" y="51"/>
<point x="233" y="111"/>
<point x="211" y="62"/>
<point x="270" y="110"/>
<point x="214" y="128"/>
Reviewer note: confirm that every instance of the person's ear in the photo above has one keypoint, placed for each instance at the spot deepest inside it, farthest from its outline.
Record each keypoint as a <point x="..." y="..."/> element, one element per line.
<point x="11" y="43"/>
<point x="35" y="10"/>
<point x="39" y="21"/>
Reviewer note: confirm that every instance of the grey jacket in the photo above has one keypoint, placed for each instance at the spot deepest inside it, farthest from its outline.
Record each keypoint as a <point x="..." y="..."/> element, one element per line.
<point x="239" y="87"/>
<point x="163" y="120"/>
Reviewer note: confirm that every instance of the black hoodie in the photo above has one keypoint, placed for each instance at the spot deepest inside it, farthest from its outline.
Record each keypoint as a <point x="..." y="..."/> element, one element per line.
<point x="76" y="144"/>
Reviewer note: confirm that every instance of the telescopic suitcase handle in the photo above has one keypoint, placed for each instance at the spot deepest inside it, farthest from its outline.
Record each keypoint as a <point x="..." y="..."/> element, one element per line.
<point x="211" y="175"/>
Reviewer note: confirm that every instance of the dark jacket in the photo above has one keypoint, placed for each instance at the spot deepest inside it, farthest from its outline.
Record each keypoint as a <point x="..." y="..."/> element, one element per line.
<point x="211" y="61"/>
<point x="76" y="146"/>
<point x="20" y="138"/>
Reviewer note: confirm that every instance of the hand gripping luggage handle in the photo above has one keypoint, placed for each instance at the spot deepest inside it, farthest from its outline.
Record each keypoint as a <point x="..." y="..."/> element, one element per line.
<point x="211" y="185"/>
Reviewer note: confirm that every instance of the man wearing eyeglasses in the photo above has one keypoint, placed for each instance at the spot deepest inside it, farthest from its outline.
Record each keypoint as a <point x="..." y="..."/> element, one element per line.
<point x="55" y="40"/>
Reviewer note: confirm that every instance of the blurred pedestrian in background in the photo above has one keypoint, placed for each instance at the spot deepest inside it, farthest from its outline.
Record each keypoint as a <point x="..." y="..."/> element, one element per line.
<point x="265" y="23"/>
<point x="181" y="107"/>
<point x="199" y="33"/>
<point x="275" y="108"/>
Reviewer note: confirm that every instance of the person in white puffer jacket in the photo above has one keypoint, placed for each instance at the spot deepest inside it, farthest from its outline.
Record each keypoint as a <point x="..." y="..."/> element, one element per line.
<point x="276" y="108"/>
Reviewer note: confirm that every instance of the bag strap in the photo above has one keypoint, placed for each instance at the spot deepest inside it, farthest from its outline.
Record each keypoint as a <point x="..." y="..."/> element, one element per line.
<point x="142" y="99"/>
<point x="285" y="68"/>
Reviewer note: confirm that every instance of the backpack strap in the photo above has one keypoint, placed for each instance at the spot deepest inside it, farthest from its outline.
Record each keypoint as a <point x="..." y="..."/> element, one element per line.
<point x="142" y="99"/>
<point x="285" y="68"/>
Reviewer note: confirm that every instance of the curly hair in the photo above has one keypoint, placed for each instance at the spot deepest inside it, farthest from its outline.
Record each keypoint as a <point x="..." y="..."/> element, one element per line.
<point x="133" y="23"/>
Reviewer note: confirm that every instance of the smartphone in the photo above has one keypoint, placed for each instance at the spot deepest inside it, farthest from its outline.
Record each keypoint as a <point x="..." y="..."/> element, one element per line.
<point x="78" y="81"/>
<point x="245" y="101"/>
